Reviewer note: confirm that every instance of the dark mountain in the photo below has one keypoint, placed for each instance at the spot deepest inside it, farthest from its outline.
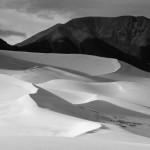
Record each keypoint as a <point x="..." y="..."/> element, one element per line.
<point x="5" y="46"/>
<point x="126" y="38"/>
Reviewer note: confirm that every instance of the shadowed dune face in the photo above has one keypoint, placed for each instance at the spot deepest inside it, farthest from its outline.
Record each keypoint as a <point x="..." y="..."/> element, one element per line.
<point x="45" y="98"/>
<point x="91" y="65"/>
<point x="10" y="63"/>
<point x="128" y="73"/>
<point x="109" y="108"/>
<point x="125" y="94"/>
<point x="19" y="110"/>
<point x="122" y="94"/>
<point x="50" y="101"/>
<point x="68" y="93"/>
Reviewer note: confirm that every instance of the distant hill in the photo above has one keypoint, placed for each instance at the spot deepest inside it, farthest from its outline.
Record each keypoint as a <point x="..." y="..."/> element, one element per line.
<point x="126" y="38"/>
<point x="5" y="46"/>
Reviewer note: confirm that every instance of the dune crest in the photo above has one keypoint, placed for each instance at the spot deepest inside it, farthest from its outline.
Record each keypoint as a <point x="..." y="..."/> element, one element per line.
<point x="20" y="115"/>
<point x="91" y="65"/>
<point x="125" y="94"/>
<point x="37" y="75"/>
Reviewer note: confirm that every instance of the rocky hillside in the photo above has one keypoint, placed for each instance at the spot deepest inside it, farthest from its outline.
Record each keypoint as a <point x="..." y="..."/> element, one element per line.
<point x="126" y="38"/>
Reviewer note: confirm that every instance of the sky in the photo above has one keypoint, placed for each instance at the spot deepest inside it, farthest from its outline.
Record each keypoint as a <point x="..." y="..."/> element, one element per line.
<point x="21" y="19"/>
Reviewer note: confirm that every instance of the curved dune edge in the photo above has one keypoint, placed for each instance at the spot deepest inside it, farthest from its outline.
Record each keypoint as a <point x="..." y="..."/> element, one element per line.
<point x="20" y="115"/>
<point x="40" y="75"/>
<point x="90" y="95"/>
<point x="77" y="95"/>
<point x="91" y="65"/>
<point x="129" y="73"/>
<point x="124" y="94"/>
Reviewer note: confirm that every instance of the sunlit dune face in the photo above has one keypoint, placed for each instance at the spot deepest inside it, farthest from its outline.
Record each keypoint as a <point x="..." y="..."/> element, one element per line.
<point x="91" y="65"/>
<point x="20" y="115"/>
<point x="63" y="78"/>
<point x="124" y="94"/>
<point x="12" y="89"/>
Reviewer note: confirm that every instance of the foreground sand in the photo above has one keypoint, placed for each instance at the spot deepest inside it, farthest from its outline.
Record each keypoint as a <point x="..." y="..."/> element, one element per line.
<point x="46" y="143"/>
<point x="101" y="103"/>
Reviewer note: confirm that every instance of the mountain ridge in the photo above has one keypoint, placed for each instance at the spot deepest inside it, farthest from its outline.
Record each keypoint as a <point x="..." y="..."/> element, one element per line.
<point x="126" y="38"/>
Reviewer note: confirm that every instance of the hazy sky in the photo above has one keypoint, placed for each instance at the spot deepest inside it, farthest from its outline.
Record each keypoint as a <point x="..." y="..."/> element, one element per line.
<point x="20" y="19"/>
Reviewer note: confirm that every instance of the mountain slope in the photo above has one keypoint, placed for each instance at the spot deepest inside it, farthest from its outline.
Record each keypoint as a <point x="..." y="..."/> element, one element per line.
<point x="126" y="38"/>
<point x="4" y="45"/>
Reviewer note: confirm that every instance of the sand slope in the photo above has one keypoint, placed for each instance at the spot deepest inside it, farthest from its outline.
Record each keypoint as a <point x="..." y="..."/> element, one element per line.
<point x="31" y="113"/>
<point x="129" y="73"/>
<point x="50" y="101"/>
<point x="84" y="63"/>
<point x="46" y="143"/>
<point x="125" y="94"/>
<point x="44" y="74"/>
<point x="112" y="109"/>
<point x="19" y="114"/>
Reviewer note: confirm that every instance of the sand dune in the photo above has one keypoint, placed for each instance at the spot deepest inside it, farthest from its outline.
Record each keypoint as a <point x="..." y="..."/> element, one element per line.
<point x="109" y="108"/>
<point x="50" y="101"/>
<point x="125" y="94"/>
<point x="120" y="135"/>
<point x="91" y="65"/>
<point x="10" y="63"/>
<point x="126" y="91"/>
<point x="19" y="114"/>
<point x="129" y="73"/>
<point x="46" y="143"/>
<point x="34" y="72"/>
<point x="49" y="108"/>
<point x="44" y="74"/>
<point x="122" y="94"/>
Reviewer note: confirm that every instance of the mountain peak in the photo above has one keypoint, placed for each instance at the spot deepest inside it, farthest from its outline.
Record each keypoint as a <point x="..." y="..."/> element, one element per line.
<point x="120" y="37"/>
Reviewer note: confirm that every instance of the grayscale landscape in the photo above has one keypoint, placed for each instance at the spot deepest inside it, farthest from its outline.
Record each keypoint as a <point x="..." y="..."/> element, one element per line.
<point x="74" y="75"/>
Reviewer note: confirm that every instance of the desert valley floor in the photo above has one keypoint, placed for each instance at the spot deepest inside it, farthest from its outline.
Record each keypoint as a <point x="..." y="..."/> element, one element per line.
<point x="72" y="102"/>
